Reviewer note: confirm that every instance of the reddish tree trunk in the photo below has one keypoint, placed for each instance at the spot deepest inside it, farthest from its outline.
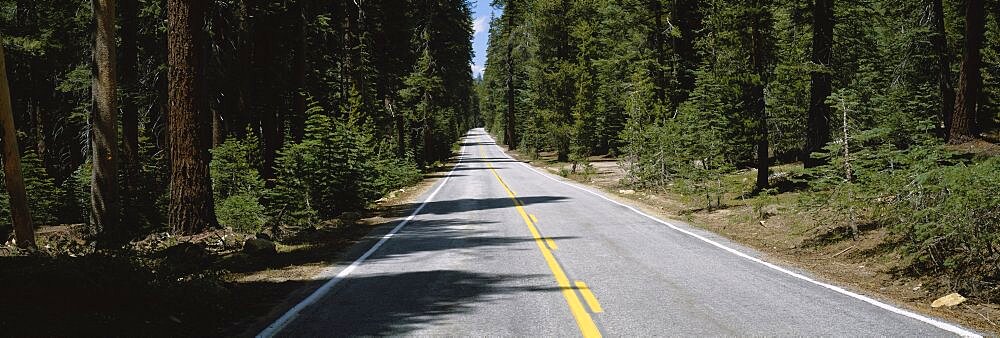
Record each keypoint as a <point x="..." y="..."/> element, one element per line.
<point x="24" y="231"/>
<point x="191" y="209"/>
<point x="963" y="120"/>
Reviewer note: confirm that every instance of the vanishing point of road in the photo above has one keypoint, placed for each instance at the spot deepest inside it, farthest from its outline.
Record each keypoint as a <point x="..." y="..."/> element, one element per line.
<point x="497" y="248"/>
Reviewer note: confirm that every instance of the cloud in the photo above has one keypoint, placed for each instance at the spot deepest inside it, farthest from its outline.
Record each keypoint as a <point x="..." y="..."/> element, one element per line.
<point x="477" y="69"/>
<point x="480" y="25"/>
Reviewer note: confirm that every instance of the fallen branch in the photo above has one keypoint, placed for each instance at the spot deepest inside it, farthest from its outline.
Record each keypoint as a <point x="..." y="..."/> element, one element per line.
<point x="842" y="251"/>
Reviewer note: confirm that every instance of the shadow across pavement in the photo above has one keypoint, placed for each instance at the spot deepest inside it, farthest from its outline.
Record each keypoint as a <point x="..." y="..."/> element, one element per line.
<point x="446" y="207"/>
<point x="399" y="303"/>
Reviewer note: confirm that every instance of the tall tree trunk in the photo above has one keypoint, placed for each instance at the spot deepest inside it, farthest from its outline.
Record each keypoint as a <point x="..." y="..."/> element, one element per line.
<point x="963" y="120"/>
<point x="130" y="113"/>
<point x="818" y="121"/>
<point x="40" y="145"/>
<point x="940" y="42"/>
<point x="240" y="122"/>
<point x="656" y="9"/>
<point x="104" y="209"/>
<point x="191" y="209"/>
<point x="510" y="123"/>
<point x="218" y="128"/>
<point x="757" y="103"/>
<point x="299" y="96"/>
<point x="355" y="46"/>
<point x="686" y="15"/>
<point x="264" y="92"/>
<point x="24" y="231"/>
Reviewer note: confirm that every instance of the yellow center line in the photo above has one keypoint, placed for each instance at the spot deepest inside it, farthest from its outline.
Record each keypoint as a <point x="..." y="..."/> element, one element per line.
<point x="533" y="218"/>
<point x="589" y="297"/>
<point x="552" y="244"/>
<point x="583" y="320"/>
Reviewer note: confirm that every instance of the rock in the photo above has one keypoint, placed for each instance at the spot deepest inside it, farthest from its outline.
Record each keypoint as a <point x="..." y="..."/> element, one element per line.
<point x="266" y="235"/>
<point x="949" y="300"/>
<point x="232" y="241"/>
<point x="626" y="192"/>
<point x="257" y="246"/>
<point x="184" y="253"/>
<point x="769" y="210"/>
<point x="351" y="216"/>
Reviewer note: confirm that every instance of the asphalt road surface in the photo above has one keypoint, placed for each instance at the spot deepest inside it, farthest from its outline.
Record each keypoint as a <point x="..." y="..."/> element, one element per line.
<point x="500" y="249"/>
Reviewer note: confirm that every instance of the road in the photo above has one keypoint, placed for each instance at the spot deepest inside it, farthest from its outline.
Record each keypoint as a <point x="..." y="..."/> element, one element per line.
<point x="500" y="249"/>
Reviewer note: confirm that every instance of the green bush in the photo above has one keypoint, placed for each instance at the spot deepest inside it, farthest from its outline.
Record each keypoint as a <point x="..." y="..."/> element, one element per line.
<point x="242" y="212"/>
<point x="288" y="203"/>
<point x="338" y="167"/>
<point x="942" y="206"/>
<point x="45" y="200"/>
<point x="950" y="220"/>
<point x="77" y="188"/>
<point x="237" y="186"/>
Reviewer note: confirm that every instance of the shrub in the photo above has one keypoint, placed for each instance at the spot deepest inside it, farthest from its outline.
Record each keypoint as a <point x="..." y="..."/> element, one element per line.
<point x="950" y="220"/>
<point x="338" y="167"/>
<point x="288" y="203"/>
<point x="942" y="207"/>
<point x="236" y="185"/>
<point x="45" y="200"/>
<point x="242" y="212"/>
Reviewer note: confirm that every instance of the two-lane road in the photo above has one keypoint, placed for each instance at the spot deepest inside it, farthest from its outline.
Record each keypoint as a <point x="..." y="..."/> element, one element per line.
<point x="498" y="248"/>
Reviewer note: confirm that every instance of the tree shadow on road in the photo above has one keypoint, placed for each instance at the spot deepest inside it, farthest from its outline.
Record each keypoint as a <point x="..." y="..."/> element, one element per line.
<point x="447" y="207"/>
<point x="399" y="303"/>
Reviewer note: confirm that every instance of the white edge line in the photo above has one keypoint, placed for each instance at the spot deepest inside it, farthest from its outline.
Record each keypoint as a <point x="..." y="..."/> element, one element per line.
<point x="939" y="324"/>
<point x="293" y="313"/>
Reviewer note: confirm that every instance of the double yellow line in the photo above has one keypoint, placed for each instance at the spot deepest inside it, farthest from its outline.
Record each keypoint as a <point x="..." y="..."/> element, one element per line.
<point x="583" y="319"/>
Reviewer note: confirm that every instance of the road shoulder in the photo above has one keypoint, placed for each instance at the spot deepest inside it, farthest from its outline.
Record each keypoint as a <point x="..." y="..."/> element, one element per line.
<point x="862" y="266"/>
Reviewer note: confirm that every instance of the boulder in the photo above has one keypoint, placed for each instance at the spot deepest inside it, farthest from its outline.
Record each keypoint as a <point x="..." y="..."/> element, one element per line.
<point x="256" y="246"/>
<point x="948" y="300"/>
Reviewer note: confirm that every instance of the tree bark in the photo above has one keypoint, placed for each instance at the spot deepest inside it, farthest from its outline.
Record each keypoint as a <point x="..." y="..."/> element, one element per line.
<point x="757" y="103"/>
<point x="940" y="42"/>
<point x="299" y="96"/>
<point x="963" y="120"/>
<point x="24" y="231"/>
<point x="656" y="9"/>
<point x="687" y="16"/>
<point x="40" y="145"/>
<point x="510" y="126"/>
<point x="104" y="209"/>
<point x="130" y="113"/>
<point x="264" y="94"/>
<point x="218" y="128"/>
<point x="191" y="207"/>
<point x="818" y="121"/>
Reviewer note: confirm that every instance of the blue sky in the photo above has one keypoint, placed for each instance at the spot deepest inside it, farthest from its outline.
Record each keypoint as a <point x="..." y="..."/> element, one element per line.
<point x="481" y="11"/>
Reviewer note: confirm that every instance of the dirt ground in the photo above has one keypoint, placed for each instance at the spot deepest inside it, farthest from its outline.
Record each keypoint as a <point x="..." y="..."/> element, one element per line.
<point x="789" y="235"/>
<point x="203" y="285"/>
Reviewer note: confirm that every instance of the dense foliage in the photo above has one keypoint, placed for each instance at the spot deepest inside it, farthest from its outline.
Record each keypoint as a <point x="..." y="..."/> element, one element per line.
<point x="318" y="107"/>
<point x="687" y="93"/>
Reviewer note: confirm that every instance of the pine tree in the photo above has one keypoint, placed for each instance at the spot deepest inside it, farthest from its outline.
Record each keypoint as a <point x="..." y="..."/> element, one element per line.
<point x="939" y="39"/>
<point x="24" y="231"/>
<point x="191" y="209"/>
<point x="129" y="73"/>
<point x="818" y="134"/>
<point x="963" y="119"/>
<point x="104" y="204"/>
